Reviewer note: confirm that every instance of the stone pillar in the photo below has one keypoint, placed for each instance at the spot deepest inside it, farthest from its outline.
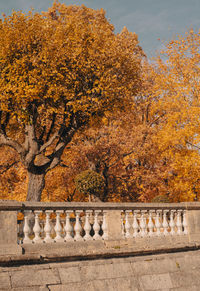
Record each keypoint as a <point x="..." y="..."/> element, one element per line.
<point x="193" y="222"/>
<point x="8" y="227"/>
<point x="114" y="224"/>
<point x="8" y="233"/>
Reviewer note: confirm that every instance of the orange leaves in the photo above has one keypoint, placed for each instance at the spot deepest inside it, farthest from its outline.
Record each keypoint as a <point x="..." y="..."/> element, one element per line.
<point x="176" y="87"/>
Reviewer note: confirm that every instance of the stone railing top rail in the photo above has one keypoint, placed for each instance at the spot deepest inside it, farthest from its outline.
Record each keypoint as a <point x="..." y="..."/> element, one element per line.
<point x="12" y="205"/>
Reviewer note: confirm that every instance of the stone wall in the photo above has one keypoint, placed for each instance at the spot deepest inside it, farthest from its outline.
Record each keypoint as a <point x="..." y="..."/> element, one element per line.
<point x="152" y="261"/>
<point x="175" y="271"/>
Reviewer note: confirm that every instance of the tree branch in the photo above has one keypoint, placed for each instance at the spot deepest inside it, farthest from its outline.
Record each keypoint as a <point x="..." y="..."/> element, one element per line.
<point x="51" y="127"/>
<point x="4" y="124"/>
<point x="31" y="144"/>
<point x="49" y="142"/>
<point x="197" y="147"/>
<point x="7" y="167"/>
<point x="4" y="140"/>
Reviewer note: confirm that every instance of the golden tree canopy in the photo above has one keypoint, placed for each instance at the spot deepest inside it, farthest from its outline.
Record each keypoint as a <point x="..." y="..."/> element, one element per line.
<point x="176" y="89"/>
<point x="63" y="61"/>
<point x="58" y="70"/>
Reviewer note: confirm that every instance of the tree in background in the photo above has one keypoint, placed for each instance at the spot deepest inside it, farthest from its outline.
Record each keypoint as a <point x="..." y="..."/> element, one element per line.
<point x="58" y="71"/>
<point x="176" y="89"/>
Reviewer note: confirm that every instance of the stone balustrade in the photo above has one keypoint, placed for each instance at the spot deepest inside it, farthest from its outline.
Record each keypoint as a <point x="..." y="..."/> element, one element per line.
<point x="93" y="246"/>
<point x="71" y="222"/>
<point x="83" y="225"/>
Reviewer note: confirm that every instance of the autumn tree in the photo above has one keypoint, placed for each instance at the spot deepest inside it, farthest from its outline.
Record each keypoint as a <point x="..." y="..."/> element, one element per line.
<point x="123" y="150"/>
<point x="176" y="89"/>
<point x="58" y="70"/>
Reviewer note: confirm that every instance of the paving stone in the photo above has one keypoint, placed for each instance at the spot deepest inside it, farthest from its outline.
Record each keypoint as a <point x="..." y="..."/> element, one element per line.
<point x="187" y="278"/>
<point x="34" y="277"/>
<point x="121" y="270"/>
<point x="25" y="267"/>
<point x="106" y="271"/>
<point x="34" y="288"/>
<point x="4" y="280"/>
<point x="190" y="288"/>
<point x="135" y="284"/>
<point x="72" y="287"/>
<point x="152" y="266"/>
<point x="156" y="281"/>
<point x="71" y="274"/>
<point x="117" y="284"/>
<point x="120" y="284"/>
<point x="188" y="260"/>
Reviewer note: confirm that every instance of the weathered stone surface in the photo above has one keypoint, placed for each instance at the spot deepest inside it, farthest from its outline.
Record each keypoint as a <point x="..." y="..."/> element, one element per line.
<point x="34" y="288"/>
<point x="70" y="274"/>
<point x="188" y="260"/>
<point x="4" y="281"/>
<point x="187" y="278"/>
<point x="107" y="270"/>
<point x="98" y="272"/>
<point x="8" y="227"/>
<point x="8" y="249"/>
<point x="152" y="266"/>
<point x="166" y="272"/>
<point x="96" y="285"/>
<point x="190" y="288"/>
<point x="193" y="219"/>
<point x="25" y="267"/>
<point x="34" y="278"/>
<point x="156" y="281"/>
<point x="72" y="287"/>
<point x="117" y="284"/>
<point x="113" y="218"/>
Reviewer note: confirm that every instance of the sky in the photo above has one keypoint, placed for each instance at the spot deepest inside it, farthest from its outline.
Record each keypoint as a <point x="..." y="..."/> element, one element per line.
<point x="154" y="21"/>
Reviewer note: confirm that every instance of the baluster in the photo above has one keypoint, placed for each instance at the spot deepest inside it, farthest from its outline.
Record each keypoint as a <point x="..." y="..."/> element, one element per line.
<point x="96" y="226"/>
<point x="127" y="224"/>
<point x="185" y="225"/>
<point x="105" y="226"/>
<point x="122" y="224"/>
<point x="150" y="224"/>
<point x="78" y="227"/>
<point x="157" y="223"/>
<point x="179" y="222"/>
<point x="143" y="224"/>
<point x="165" y="223"/>
<point x="171" y="223"/>
<point x="87" y="226"/>
<point x="36" y="228"/>
<point x="26" y="228"/>
<point x="58" y="227"/>
<point x="20" y="228"/>
<point x="68" y="227"/>
<point x="47" y="228"/>
<point x="135" y="224"/>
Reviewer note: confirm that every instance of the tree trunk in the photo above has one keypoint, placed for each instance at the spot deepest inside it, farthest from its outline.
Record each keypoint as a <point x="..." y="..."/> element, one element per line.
<point x="36" y="183"/>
